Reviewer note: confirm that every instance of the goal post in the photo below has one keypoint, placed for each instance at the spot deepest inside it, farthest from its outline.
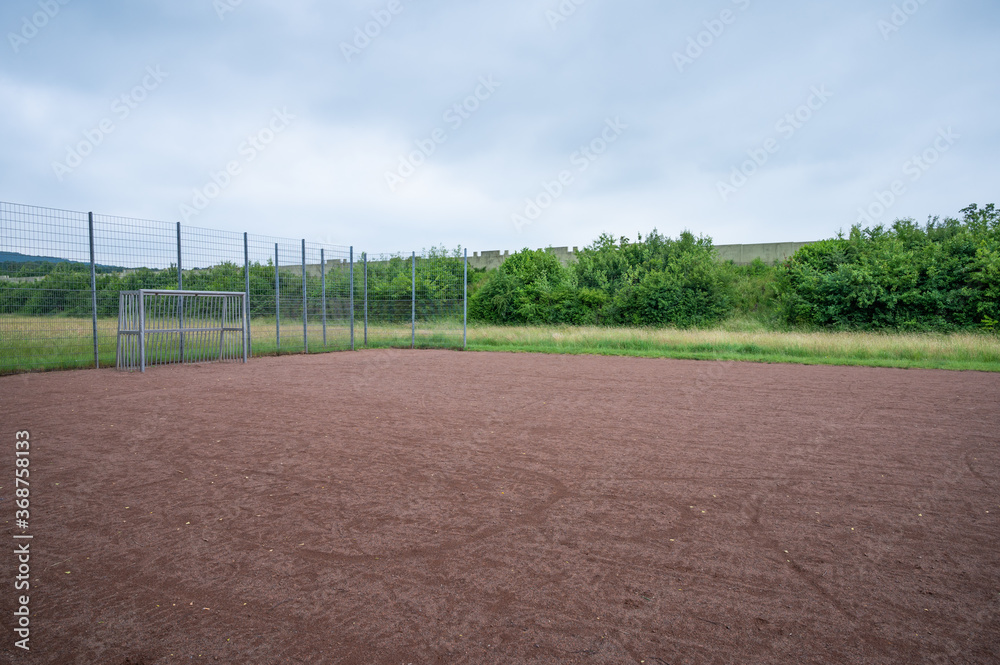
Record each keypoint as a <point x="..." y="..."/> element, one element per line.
<point x="159" y="327"/>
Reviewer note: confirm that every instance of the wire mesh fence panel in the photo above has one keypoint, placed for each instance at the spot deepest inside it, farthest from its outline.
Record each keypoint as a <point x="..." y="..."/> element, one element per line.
<point x="412" y="300"/>
<point x="383" y="300"/>
<point x="61" y="273"/>
<point x="287" y="305"/>
<point x="43" y="333"/>
<point x="288" y="259"/>
<point x="263" y="298"/>
<point x="211" y="260"/>
<point x="46" y="310"/>
<point x="328" y="276"/>
<point x="143" y="255"/>
<point x="440" y="279"/>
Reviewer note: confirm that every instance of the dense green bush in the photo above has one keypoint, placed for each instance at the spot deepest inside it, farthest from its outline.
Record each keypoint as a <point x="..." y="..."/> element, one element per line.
<point x="533" y="287"/>
<point x="939" y="276"/>
<point x="657" y="281"/>
<point x="943" y="275"/>
<point x="691" y="291"/>
<point x="754" y="293"/>
<point x="654" y="281"/>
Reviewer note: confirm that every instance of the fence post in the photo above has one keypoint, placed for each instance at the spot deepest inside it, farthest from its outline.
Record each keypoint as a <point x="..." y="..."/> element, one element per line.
<point x="142" y="330"/>
<point x="180" y="275"/>
<point x="322" y="281"/>
<point x="364" y="261"/>
<point x="246" y="304"/>
<point x="465" y="300"/>
<point x="246" y="326"/>
<point x="351" y="286"/>
<point x="180" y="287"/>
<point x="277" y="301"/>
<point x="93" y="289"/>
<point x="305" y="301"/>
<point x="413" y="302"/>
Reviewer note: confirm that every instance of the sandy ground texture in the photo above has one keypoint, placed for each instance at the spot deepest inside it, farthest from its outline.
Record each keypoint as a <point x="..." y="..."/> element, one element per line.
<point x="424" y="507"/>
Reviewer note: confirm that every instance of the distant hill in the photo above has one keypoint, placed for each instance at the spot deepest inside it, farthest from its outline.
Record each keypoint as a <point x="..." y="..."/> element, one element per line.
<point x="27" y="265"/>
<point x="17" y="257"/>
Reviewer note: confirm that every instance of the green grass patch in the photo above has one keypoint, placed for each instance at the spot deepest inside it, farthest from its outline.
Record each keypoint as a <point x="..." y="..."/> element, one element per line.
<point x="49" y="342"/>
<point x="957" y="351"/>
<point x="41" y="343"/>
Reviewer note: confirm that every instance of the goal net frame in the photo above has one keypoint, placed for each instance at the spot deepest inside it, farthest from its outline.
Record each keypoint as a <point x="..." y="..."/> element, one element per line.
<point x="160" y="327"/>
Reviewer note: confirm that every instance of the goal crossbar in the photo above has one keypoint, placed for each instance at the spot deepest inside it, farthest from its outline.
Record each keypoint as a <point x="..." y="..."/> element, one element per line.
<point x="158" y="327"/>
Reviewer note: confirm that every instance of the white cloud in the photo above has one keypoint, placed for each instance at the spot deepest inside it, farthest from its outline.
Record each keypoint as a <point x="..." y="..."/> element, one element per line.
<point x="325" y="176"/>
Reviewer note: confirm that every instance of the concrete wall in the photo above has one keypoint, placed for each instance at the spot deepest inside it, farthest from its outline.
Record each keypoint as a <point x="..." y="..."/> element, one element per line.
<point x="738" y="254"/>
<point x="493" y="258"/>
<point x="313" y="269"/>
<point x="768" y="252"/>
<point x="22" y="280"/>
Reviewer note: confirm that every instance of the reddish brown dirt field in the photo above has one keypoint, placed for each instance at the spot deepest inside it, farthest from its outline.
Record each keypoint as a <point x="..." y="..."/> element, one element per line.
<point x="442" y="507"/>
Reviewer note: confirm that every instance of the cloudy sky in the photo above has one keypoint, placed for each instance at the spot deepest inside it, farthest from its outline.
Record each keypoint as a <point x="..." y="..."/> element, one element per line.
<point x="400" y="124"/>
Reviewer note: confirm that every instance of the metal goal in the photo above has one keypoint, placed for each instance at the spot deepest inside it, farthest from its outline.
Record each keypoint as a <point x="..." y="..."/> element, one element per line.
<point x="163" y="327"/>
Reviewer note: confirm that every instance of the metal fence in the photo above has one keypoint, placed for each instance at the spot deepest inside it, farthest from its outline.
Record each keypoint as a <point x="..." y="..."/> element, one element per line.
<point x="61" y="273"/>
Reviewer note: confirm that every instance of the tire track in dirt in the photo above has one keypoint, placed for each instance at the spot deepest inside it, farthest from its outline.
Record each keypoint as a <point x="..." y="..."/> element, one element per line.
<point x="969" y="459"/>
<point x="781" y="556"/>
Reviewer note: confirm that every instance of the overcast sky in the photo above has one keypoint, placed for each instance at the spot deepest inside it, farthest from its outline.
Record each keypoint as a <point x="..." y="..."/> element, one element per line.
<point x="399" y="124"/>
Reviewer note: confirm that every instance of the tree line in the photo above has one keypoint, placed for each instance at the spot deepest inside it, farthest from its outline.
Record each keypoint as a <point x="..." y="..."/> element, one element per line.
<point x="941" y="275"/>
<point x="65" y="287"/>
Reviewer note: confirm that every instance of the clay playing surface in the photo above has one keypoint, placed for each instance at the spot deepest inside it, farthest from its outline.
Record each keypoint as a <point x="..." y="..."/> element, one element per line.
<point x="444" y="507"/>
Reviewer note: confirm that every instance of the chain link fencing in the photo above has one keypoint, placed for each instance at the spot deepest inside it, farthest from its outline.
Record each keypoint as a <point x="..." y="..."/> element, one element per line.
<point x="415" y="300"/>
<point x="61" y="273"/>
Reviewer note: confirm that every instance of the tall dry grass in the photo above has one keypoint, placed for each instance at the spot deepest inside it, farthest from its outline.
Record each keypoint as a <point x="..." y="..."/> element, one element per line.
<point x="952" y="351"/>
<point x="36" y="343"/>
